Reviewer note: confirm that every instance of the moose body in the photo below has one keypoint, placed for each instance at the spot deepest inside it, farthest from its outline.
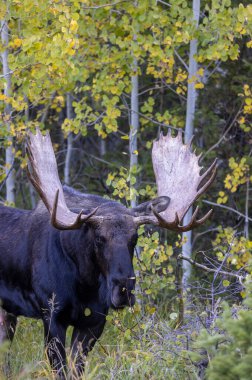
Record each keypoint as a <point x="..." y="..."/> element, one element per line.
<point x="67" y="277"/>
<point x="69" y="260"/>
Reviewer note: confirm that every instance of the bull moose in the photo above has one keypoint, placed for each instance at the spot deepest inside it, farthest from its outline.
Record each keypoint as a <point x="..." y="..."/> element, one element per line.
<point x="74" y="251"/>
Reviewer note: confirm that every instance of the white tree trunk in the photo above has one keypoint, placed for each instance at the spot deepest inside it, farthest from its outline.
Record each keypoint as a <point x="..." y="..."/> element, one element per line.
<point x="67" y="168"/>
<point x="32" y="191"/>
<point x="134" y="127"/>
<point x="190" y="113"/>
<point x="102" y="147"/>
<point x="9" y="155"/>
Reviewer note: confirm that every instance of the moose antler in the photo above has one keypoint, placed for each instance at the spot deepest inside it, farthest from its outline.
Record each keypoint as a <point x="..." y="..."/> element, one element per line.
<point x="43" y="174"/>
<point x="178" y="176"/>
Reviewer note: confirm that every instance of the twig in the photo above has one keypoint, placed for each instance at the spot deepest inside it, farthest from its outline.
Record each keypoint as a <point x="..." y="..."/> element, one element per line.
<point x="181" y="60"/>
<point x="229" y="209"/>
<point x="223" y="136"/>
<point x="105" y="5"/>
<point x="201" y="266"/>
<point x="46" y="109"/>
<point x="5" y="179"/>
<point x="163" y="2"/>
<point x="246" y="224"/>
<point x="160" y="124"/>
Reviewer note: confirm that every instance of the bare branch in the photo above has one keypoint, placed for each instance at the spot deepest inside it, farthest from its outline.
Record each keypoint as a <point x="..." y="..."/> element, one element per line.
<point x="246" y="226"/>
<point x="163" y="2"/>
<point x="228" y="208"/>
<point x="223" y="136"/>
<point x="240" y="278"/>
<point x="181" y="60"/>
<point x="106" y="5"/>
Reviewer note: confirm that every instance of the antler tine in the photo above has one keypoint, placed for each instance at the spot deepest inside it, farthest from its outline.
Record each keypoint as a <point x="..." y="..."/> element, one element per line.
<point x="45" y="178"/>
<point x="80" y="219"/>
<point x="161" y="221"/>
<point x="209" y="170"/>
<point x="205" y="217"/>
<point x="209" y="182"/>
<point x="175" y="225"/>
<point x="193" y="222"/>
<point x="179" y="135"/>
<point x="189" y="143"/>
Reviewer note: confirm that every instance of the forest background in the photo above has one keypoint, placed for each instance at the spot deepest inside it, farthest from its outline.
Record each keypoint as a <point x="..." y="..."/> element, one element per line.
<point x="105" y="78"/>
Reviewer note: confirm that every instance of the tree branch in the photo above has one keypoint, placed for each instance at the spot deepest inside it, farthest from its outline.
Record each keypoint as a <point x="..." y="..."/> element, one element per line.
<point x="211" y="270"/>
<point x="228" y="208"/>
<point x="223" y="136"/>
<point x="105" y="5"/>
<point x="181" y="60"/>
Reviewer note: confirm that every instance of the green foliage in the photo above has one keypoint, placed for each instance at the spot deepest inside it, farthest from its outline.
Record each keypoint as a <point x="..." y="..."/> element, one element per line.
<point x="228" y="346"/>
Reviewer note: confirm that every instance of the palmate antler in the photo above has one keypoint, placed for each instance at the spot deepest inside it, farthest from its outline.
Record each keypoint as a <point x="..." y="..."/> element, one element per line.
<point x="178" y="176"/>
<point x="43" y="174"/>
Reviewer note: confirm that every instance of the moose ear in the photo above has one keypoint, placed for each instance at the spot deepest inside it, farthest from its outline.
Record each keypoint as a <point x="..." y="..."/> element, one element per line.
<point x="159" y="204"/>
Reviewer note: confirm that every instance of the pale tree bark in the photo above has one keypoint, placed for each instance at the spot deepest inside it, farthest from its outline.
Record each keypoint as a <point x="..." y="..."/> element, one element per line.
<point x="31" y="188"/>
<point x="7" y="321"/>
<point x="102" y="147"/>
<point x="134" y="127"/>
<point x="190" y="113"/>
<point x="9" y="155"/>
<point x="246" y="224"/>
<point x="67" y="167"/>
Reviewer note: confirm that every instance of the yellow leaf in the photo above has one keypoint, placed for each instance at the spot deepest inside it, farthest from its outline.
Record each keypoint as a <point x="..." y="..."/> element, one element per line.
<point x="199" y="85"/>
<point x="87" y="312"/>
<point x="73" y="26"/>
<point x="16" y="43"/>
<point x="200" y="72"/>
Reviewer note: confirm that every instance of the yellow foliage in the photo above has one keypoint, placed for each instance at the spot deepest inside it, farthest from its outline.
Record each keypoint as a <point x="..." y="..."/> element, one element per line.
<point x="200" y="72"/>
<point x="238" y="176"/>
<point x="238" y="247"/>
<point x="245" y="119"/>
<point x="222" y="199"/>
<point x="73" y="26"/>
<point x="199" y="85"/>
<point x="16" y="43"/>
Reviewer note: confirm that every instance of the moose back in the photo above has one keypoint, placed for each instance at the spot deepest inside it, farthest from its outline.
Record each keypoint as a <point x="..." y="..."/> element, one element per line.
<point x="73" y="253"/>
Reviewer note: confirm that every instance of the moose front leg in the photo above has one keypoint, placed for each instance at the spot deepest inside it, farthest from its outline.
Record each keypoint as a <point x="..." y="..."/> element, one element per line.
<point x="83" y="340"/>
<point x="8" y="324"/>
<point x="55" y="337"/>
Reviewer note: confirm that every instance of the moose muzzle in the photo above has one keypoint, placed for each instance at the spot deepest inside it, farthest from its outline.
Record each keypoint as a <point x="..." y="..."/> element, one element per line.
<point x="122" y="292"/>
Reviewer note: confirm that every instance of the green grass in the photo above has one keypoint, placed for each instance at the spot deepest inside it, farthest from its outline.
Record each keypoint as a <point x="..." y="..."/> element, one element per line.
<point x="134" y="346"/>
